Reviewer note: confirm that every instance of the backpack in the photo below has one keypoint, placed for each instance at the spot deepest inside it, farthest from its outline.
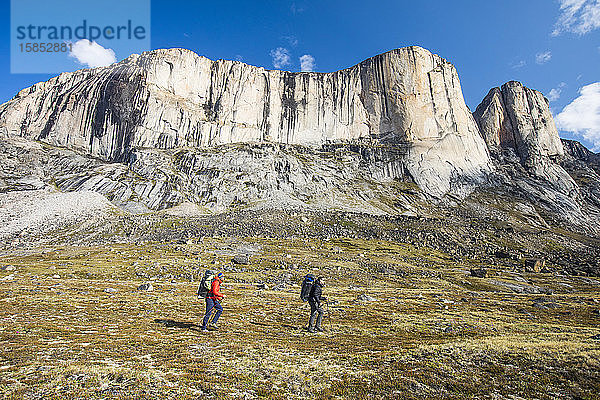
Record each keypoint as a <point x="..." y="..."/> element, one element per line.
<point x="205" y="283"/>
<point x="307" y="285"/>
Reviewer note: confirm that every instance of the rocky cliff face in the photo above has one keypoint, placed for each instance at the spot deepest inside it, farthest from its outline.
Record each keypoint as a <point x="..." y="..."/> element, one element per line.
<point x="519" y="118"/>
<point x="579" y="152"/>
<point x="532" y="163"/>
<point x="388" y="135"/>
<point x="584" y="167"/>
<point x="405" y="99"/>
<point x="516" y="120"/>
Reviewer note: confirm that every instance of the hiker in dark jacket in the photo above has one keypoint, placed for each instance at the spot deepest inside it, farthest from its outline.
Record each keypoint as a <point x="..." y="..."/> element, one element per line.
<point x="316" y="310"/>
<point x="213" y="301"/>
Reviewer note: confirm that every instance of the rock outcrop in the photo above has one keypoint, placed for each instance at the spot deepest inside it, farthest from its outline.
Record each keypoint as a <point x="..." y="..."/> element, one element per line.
<point x="408" y="100"/>
<point x="517" y="120"/>
<point x="217" y="179"/>
<point x="517" y="117"/>
<point x="584" y="167"/>
<point x="579" y="152"/>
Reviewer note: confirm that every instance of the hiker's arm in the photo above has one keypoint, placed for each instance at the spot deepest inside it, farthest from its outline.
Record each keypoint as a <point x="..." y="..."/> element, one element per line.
<point x="217" y="290"/>
<point x="319" y="295"/>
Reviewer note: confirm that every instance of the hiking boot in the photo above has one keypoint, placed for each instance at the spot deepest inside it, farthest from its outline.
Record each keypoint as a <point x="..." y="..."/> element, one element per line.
<point x="312" y="330"/>
<point x="213" y="327"/>
<point x="320" y="329"/>
<point x="204" y="329"/>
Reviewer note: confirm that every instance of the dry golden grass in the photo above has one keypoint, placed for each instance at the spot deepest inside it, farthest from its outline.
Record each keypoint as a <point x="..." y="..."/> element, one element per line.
<point x="434" y="331"/>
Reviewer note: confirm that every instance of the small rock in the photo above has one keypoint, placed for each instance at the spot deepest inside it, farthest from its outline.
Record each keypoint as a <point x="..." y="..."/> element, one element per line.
<point x="479" y="273"/>
<point x="546" y="305"/>
<point x="449" y="329"/>
<point x="541" y="300"/>
<point x="502" y="254"/>
<point x="534" y="265"/>
<point x="56" y="276"/>
<point x="8" y="268"/>
<point x="110" y="290"/>
<point x="146" y="287"/>
<point x="242" y="259"/>
<point x="365" y="298"/>
<point x="521" y="288"/>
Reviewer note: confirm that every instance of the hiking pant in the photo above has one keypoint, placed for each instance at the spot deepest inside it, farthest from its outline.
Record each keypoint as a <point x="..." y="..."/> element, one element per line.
<point x="210" y="304"/>
<point x="316" y="315"/>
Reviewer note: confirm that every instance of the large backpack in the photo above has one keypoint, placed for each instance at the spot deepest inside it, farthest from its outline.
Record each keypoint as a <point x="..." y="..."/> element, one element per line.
<point x="307" y="285"/>
<point x="205" y="283"/>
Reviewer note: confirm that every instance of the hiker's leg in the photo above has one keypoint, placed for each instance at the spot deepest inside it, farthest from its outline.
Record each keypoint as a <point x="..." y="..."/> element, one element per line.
<point x="209" y="306"/>
<point x="313" y="315"/>
<point x="218" y="313"/>
<point x="319" y="318"/>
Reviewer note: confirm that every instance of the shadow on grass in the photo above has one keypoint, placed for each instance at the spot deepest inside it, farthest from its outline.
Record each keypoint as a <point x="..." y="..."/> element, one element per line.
<point x="287" y="326"/>
<point x="169" y="323"/>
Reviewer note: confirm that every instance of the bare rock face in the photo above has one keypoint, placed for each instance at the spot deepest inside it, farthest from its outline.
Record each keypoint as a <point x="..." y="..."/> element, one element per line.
<point x="407" y="100"/>
<point x="584" y="166"/>
<point x="518" y="119"/>
<point x="579" y="152"/>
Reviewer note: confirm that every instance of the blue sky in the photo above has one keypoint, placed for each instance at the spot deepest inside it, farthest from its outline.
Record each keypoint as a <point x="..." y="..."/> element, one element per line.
<point x="536" y="42"/>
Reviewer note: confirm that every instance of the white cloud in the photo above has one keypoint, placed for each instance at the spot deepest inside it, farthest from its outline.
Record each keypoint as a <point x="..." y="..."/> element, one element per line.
<point x="555" y="93"/>
<point x="292" y="40"/>
<point x="91" y="54"/>
<point x="543" y="58"/>
<point x="582" y="116"/>
<point x="578" y="16"/>
<point x="307" y="63"/>
<point x="518" y="65"/>
<point x="281" y="57"/>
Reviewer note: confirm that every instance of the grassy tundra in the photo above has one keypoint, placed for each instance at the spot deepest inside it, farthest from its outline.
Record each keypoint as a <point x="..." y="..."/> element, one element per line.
<point x="74" y="325"/>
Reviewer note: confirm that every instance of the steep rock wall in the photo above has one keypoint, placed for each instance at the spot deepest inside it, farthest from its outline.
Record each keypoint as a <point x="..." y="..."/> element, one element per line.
<point x="173" y="98"/>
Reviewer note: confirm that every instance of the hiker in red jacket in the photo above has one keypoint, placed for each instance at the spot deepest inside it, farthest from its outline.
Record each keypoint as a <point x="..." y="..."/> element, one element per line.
<point x="213" y="300"/>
